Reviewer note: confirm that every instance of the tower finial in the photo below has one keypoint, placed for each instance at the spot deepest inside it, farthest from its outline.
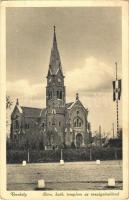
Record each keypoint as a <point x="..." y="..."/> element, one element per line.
<point x="17" y="102"/>
<point x="54" y="28"/>
<point x="77" y="96"/>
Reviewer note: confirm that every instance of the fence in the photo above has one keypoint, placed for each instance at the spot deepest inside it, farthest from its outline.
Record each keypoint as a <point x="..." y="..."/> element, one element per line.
<point x="85" y="154"/>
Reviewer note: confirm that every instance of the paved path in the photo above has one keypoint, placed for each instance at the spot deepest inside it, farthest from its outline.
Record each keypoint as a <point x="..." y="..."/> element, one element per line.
<point x="73" y="175"/>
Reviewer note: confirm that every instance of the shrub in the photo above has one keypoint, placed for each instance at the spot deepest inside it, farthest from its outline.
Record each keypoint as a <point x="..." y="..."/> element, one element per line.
<point x="83" y="154"/>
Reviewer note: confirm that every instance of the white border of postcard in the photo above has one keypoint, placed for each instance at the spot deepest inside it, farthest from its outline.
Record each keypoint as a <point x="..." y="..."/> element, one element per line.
<point x="98" y="194"/>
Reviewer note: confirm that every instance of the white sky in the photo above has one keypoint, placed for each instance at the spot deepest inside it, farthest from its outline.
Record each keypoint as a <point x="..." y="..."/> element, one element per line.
<point x="89" y="42"/>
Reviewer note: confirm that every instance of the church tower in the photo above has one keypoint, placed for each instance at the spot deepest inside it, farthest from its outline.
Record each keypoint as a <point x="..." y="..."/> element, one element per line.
<point x="55" y="91"/>
<point x="55" y="94"/>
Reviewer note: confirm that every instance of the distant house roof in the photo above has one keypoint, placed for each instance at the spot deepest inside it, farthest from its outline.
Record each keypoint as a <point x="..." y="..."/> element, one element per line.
<point x="31" y="112"/>
<point x="69" y="104"/>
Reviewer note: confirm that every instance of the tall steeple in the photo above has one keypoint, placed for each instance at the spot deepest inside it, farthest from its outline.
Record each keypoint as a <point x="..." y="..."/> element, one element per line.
<point x="55" y="90"/>
<point x="55" y="95"/>
<point x="55" y="62"/>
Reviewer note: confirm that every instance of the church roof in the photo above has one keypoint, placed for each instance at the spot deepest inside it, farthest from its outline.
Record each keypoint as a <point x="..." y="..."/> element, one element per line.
<point x="77" y="102"/>
<point x="55" y="62"/>
<point x="31" y="112"/>
<point x="20" y="109"/>
<point x="68" y="105"/>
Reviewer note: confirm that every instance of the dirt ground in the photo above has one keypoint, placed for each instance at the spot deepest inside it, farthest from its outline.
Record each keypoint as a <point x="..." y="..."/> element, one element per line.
<point x="70" y="176"/>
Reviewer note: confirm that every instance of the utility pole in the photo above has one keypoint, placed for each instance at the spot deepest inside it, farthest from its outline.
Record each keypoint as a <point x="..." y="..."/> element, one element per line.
<point x="100" y="136"/>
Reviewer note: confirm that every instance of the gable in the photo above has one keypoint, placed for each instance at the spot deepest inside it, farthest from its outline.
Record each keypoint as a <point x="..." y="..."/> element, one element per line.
<point x="59" y="72"/>
<point x="68" y="105"/>
<point x="77" y="104"/>
<point x="17" y="111"/>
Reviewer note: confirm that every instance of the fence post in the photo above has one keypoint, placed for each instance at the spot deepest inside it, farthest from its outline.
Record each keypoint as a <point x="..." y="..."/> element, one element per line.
<point x="28" y="156"/>
<point x="115" y="154"/>
<point x="90" y="154"/>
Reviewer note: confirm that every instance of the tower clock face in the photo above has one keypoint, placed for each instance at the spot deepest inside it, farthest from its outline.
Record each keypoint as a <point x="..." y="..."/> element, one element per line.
<point x="59" y="80"/>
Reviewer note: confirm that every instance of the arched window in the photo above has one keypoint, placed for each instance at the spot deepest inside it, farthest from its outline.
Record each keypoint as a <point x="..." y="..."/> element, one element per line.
<point x="57" y="94"/>
<point x="60" y="94"/>
<point x="27" y="126"/>
<point x="51" y="95"/>
<point x="77" y="122"/>
<point x="17" y="124"/>
<point x="42" y="125"/>
<point x="77" y="112"/>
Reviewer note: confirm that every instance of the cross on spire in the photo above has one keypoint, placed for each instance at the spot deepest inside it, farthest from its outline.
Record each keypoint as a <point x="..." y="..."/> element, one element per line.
<point x="54" y="28"/>
<point x="77" y="96"/>
<point x="17" y="102"/>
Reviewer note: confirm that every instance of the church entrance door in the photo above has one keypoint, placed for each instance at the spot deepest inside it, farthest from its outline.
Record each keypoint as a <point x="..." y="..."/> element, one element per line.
<point x="79" y="140"/>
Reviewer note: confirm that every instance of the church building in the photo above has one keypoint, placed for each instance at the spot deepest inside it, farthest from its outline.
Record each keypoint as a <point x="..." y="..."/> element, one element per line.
<point x="60" y="123"/>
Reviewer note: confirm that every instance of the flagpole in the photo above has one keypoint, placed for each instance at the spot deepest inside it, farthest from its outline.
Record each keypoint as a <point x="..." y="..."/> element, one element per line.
<point x="113" y="129"/>
<point x="117" y="117"/>
<point x="117" y="107"/>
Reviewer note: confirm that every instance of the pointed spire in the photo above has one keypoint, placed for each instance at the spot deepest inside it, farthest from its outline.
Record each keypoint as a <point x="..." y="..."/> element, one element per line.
<point x="77" y="96"/>
<point x="54" y="37"/>
<point x="55" y="62"/>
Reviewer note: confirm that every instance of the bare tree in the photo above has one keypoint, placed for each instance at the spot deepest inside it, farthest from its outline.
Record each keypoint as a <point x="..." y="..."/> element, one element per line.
<point x="8" y="102"/>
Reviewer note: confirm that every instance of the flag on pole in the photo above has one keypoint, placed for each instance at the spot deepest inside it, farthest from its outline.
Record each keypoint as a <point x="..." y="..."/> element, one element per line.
<point x="116" y="89"/>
